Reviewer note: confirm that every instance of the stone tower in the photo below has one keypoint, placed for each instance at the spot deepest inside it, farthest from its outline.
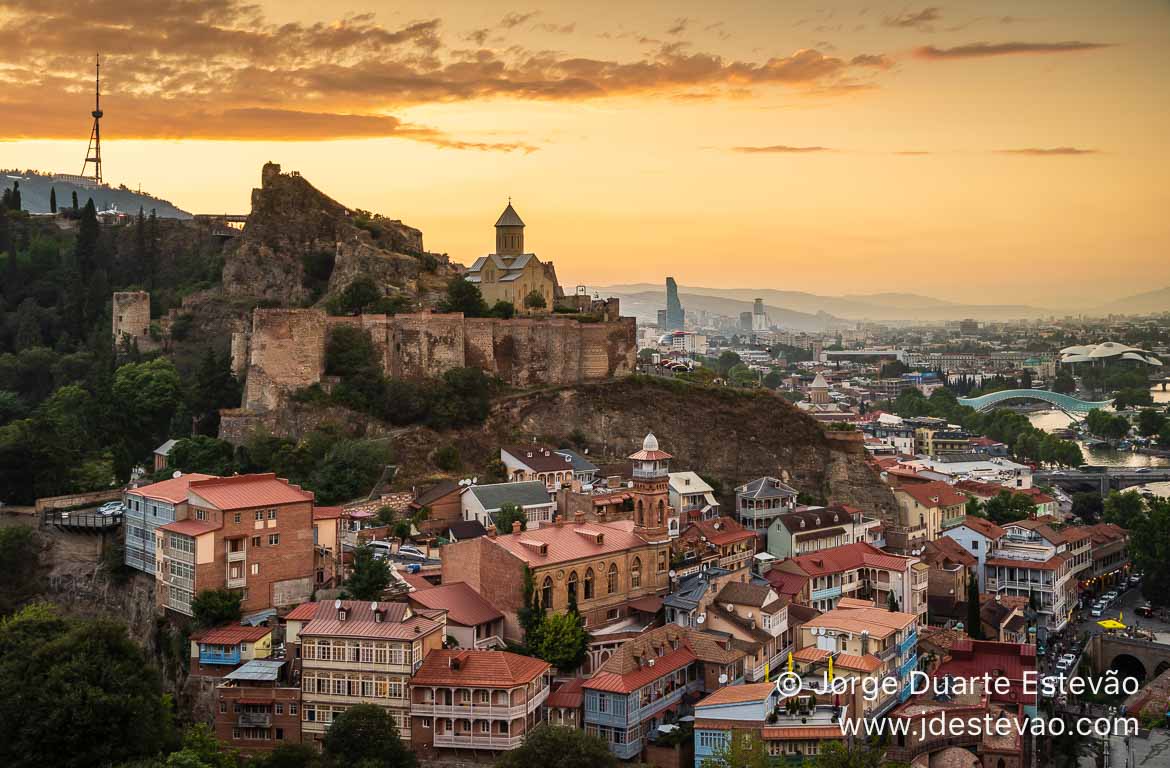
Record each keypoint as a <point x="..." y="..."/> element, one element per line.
<point x="651" y="489"/>
<point x="509" y="233"/>
<point x="131" y="311"/>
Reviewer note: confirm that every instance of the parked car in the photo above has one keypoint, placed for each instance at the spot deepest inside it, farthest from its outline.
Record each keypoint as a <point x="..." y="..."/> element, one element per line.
<point x="1146" y="610"/>
<point x="382" y="549"/>
<point x="1097" y="611"/>
<point x="111" y="508"/>
<point x="411" y="553"/>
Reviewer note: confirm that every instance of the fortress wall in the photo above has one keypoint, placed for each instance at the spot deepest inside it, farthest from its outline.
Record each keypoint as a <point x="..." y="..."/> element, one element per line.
<point x="380" y="328"/>
<point x="287" y="352"/>
<point x="595" y="359"/>
<point x="479" y="342"/>
<point x="426" y="346"/>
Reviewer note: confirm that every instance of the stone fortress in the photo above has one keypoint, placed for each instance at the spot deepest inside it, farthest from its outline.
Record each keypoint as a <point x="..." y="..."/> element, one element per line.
<point x="131" y="319"/>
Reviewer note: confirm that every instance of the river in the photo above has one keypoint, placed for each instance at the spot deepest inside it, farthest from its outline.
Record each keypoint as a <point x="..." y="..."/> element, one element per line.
<point x="1107" y="457"/>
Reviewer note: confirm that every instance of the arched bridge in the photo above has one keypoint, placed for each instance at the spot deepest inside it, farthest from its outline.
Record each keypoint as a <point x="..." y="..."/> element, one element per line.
<point x="1066" y="403"/>
<point x="1140" y="658"/>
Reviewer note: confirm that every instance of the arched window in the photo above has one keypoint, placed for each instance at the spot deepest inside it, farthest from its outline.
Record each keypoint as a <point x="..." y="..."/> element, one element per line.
<point x="589" y="584"/>
<point x="636" y="574"/>
<point x="661" y="511"/>
<point x="546" y="593"/>
<point x="611" y="579"/>
<point x="572" y="592"/>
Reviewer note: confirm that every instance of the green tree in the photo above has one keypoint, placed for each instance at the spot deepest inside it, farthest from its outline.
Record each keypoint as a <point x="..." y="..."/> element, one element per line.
<point x="349" y="350"/>
<point x="464" y="297"/>
<point x="349" y="469"/>
<point x="1133" y="396"/>
<point x="563" y="640"/>
<point x="1150" y="422"/>
<point x="291" y="756"/>
<point x="773" y="379"/>
<point x="505" y="310"/>
<point x="145" y="397"/>
<point x="364" y="736"/>
<point x="203" y="454"/>
<point x="1088" y="506"/>
<point x="447" y="458"/>
<point x="531" y="612"/>
<point x="1064" y="382"/>
<point x="535" y="300"/>
<point x="974" y="622"/>
<point x="52" y="199"/>
<point x="834" y="754"/>
<point x="75" y="199"/>
<point x="370" y="575"/>
<point x="1125" y="509"/>
<point x="213" y="607"/>
<point x="361" y="294"/>
<point x="557" y="746"/>
<point x="1149" y="543"/>
<point x="726" y="362"/>
<point x="76" y="694"/>
<point x="213" y="386"/>
<point x="742" y="376"/>
<point x="974" y="507"/>
<point x="892" y="603"/>
<point x="1008" y="507"/>
<point x="508" y="514"/>
<point x="201" y="750"/>
<point x="743" y="750"/>
<point x="20" y="567"/>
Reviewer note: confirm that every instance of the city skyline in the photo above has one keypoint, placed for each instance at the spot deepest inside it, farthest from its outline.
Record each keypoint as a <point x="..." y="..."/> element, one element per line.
<point x="964" y="151"/>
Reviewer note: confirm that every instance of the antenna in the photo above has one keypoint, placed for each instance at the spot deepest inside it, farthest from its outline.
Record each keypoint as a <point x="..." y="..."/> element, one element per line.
<point x="94" y="153"/>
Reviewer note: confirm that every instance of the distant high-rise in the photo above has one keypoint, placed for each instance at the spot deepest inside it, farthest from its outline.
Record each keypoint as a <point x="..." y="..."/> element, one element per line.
<point x="759" y="319"/>
<point x="675" y="318"/>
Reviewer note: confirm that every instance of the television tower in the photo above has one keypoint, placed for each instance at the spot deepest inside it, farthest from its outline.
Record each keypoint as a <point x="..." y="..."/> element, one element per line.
<point x="94" y="153"/>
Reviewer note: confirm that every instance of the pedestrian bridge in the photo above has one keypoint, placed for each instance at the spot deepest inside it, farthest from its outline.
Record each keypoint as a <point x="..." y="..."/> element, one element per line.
<point x="1066" y="403"/>
<point x="1137" y="658"/>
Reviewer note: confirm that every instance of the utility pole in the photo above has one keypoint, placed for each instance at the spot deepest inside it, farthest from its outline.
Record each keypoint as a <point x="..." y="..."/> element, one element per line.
<point x="94" y="153"/>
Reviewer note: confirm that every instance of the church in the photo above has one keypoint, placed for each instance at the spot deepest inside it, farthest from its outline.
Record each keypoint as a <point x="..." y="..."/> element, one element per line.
<point x="512" y="275"/>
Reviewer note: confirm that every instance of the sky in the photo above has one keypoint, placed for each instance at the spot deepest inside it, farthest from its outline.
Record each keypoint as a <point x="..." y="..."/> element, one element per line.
<point x="983" y="152"/>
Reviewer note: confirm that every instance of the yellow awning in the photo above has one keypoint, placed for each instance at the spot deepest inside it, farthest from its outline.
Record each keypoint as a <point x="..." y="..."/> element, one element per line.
<point x="1111" y="624"/>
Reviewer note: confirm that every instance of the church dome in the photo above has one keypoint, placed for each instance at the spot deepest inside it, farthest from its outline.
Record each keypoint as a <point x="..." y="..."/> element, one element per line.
<point x="650" y="443"/>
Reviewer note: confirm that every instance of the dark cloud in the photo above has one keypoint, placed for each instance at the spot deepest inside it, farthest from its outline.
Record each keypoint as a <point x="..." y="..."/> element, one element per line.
<point x="680" y="26"/>
<point x="219" y="61"/>
<point x="779" y="149"/>
<point x="514" y="19"/>
<point x="877" y="60"/>
<point x="914" y="19"/>
<point x="980" y="50"/>
<point x="1048" y="151"/>
<point x="559" y="29"/>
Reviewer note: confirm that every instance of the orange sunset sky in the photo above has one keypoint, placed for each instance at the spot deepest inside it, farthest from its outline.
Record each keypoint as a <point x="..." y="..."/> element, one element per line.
<point x="978" y="151"/>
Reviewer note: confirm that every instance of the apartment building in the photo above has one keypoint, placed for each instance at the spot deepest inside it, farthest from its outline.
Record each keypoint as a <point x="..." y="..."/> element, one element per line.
<point x="721" y="543"/>
<point x="647" y="681"/>
<point x="861" y="571"/>
<point x="756" y="616"/>
<point x="811" y="529"/>
<point x="1029" y="563"/>
<point x="356" y="652"/>
<point x="253" y="533"/>
<point x="979" y="536"/>
<point x="692" y="498"/>
<point x="472" y="621"/>
<point x="924" y="511"/>
<point x="790" y="735"/>
<point x="482" y="503"/>
<point x="760" y="502"/>
<point x="218" y="651"/>
<point x="476" y="700"/>
<point x="1109" y="545"/>
<point x="545" y="465"/>
<point x="256" y="709"/>
<point x="147" y="508"/>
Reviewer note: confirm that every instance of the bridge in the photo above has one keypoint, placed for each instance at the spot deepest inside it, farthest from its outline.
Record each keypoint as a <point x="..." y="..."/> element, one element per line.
<point x="1067" y="403"/>
<point x="223" y="225"/>
<point x="1138" y="658"/>
<point x="1101" y="479"/>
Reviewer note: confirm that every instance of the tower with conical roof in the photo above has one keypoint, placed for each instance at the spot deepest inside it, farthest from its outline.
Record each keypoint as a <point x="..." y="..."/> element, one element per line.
<point x="509" y="232"/>
<point x="651" y="489"/>
<point x="818" y="391"/>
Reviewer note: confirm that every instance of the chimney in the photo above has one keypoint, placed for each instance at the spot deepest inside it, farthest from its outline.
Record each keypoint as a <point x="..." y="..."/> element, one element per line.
<point x="579" y="517"/>
<point x="491" y="530"/>
<point x="515" y="526"/>
<point x="560" y="520"/>
<point x="864" y="642"/>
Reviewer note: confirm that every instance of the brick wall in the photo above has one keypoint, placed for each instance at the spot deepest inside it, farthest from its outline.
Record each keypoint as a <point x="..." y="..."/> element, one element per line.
<point x="131" y="318"/>
<point x="286" y="352"/>
<point x="491" y="571"/>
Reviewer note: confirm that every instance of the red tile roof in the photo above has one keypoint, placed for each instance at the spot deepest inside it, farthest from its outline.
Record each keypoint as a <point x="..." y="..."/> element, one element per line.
<point x="976" y="658"/>
<point x="481" y="669"/>
<point x="173" y="490"/>
<point x="1051" y="564"/>
<point x="945" y="548"/>
<point x="189" y="527"/>
<point x="246" y="491"/>
<point x="463" y="604"/>
<point x="720" y="531"/>
<point x="232" y="634"/>
<point x="563" y="543"/>
<point x="570" y="695"/>
<point x="326" y="513"/>
<point x="983" y="526"/>
<point x="933" y="494"/>
<point x="803" y="732"/>
<point x="848" y="557"/>
<point x="867" y="663"/>
<point x="303" y="612"/>
<point x="632" y="681"/>
<point x="416" y="580"/>
<point x="359" y="622"/>
<point x="786" y="583"/>
<point x="879" y="622"/>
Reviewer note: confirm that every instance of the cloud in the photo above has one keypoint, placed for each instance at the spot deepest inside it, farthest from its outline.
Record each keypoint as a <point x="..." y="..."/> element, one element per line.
<point x="680" y="26"/>
<point x="1048" y="151"/>
<point x="514" y="19"/>
<point x="912" y="152"/>
<point x="558" y="29"/>
<point x="877" y="60"/>
<point x="222" y="66"/>
<point x="779" y="149"/>
<point x="914" y="19"/>
<point x="981" y="50"/>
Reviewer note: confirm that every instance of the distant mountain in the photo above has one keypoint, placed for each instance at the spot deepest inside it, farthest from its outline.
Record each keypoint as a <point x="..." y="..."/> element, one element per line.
<point x="35" y="188"/>
<point x="1148" y="303"/>
<point x="878" y="307"/>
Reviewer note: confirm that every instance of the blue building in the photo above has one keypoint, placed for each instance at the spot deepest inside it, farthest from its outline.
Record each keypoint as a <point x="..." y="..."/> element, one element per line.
<point x="654" y="679"/>
<point x="147" y="508"/>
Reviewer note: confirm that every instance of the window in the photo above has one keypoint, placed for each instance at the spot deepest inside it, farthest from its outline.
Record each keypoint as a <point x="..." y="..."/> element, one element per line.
<point x="661" y="560"/>
<point x="280" y="734"/>
<point x="200" y="514"/>
<point x="485" y="726"/>
<point x="223" y="706"/>
<point x="636" y="574"/>
<point x="272" y="514"/>
<point x="259" y="515"/>
<point x="236" y="517"/>
<point x="974" y="544"/>
<point x="611" y="579"/>
<point x="546" y="592"/>
<point x="292" y="708"/>
<point x="255" y="569"/>
<point x="256" y="541"/>
<point x="602" y="702"/>
<point x="589" y="584"/>
<point x="572" y="588"/>
<point x="280" y="709"/>
<point x="273" y="539"/>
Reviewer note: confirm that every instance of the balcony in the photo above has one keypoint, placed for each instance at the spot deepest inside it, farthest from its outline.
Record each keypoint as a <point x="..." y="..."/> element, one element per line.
<point x="477" y="740"/>
<point x="236" y="556"/>
<point x="242" y="581"/>
<point x="775" y="666"/>
<point x="402" y="669"/>
<point x="254" y="719"/>
<point x="181" y="582"/>
<point x="650" y="474"/>
<point x="215" y="656"/>
<point x="178" y="554"/>
<point x="828" y="593"/>
<point x="732" y="561"/>
<point x="910" y="642"/>
<point x="482" y="711"/>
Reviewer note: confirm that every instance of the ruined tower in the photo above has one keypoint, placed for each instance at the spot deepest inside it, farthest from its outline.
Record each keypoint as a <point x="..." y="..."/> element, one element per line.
<point x="131" y="311"/>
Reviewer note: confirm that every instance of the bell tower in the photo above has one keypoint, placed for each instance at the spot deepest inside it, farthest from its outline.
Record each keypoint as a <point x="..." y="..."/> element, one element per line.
<point x="651" y="489"/>
<point x="509" y="232"/>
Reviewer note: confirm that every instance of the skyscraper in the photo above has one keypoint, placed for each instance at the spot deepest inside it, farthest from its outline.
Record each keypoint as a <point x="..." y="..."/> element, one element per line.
<point x="675" y="319"/>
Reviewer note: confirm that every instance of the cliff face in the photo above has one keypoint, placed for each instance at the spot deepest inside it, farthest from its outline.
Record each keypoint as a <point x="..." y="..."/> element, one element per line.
<point x="292" y="224"/>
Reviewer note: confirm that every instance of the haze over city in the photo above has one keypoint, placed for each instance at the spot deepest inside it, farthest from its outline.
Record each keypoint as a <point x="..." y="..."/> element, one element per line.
<point x="968" y="151"/>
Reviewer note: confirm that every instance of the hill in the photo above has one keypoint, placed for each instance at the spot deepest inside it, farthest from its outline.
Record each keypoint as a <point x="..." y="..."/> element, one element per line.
<point x="35" y="189"/>
<point x="1147" y="303"/>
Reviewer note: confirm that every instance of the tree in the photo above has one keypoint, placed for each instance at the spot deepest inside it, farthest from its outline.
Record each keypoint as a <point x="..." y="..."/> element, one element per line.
<point x="505" y="310"/>
<point x="563" y="640"/>
<point x="726" y="362"/>
<point x="52" y="199"/>
<point x="1064" y="382"/>
<point x="447" y="458"/>
<point x="743" y="750"/>
<point x="1088" y="506"/>
<point x="201" y="750"/>
<point x="892" y="603"/>
<point x="1150" y="548"/>
<point x="464" y="297"/>
<point x="834" y="754"/>
<point x="75" y="199"/>
<point x="145" y="396"/>
<point x="291" y="756"/>
<point x="349" y="350"/>
<point x="1150" y="422"/>
<point x="20" y="567"/>
<point x="203" y="454"/>
<point x="1008" y="507"/>
<point x="361" y="293"/>
<point x="349" y="469"/>
<point x="974" y="621"/>
<point x="370" y="576"/>
<point x="364" y="736"/>
<point x="974" y="507"/>
<point x="508" y="514"/>
<point x="76" y="693"/>
<point x="1124" y="509"/>
<point x="557" y="746"/>
<point x="535" y="300"/>
<point x="1107" y="425"/>
<point x="1132" y="396"/>
<point x="773" y="379"/>
<point x="531" y="613"/>
<point x="213" y="607"/>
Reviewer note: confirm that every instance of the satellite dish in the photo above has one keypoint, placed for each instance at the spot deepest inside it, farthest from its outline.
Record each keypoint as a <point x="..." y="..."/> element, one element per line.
<point x="701" y="618"/>
<point x="723" y="679"/>
<point x="474" y="480"/>
<point x="672" y="573"/>
<point x="177" y="474"/>
<point x="337" y="604"/>
<point x="374" y="606"/>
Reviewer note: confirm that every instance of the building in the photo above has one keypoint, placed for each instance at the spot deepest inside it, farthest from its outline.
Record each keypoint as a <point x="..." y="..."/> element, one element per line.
<point x="253" y="533"/>
<point x="721" y="543"/>
<point x="327" y="545"/>
<point x="811" y="529"/>
<point x="471" y="620"/>
<point x="1048" y="581"/>
<point x="443" y="500"/>
<point x="148" y="507"/>
<point x="861" y="571"/>
<point x="979" y="536"/>
<point x="924" y="511"/>
<point x="483" y="503"/>
<point x="941" y="442"/>
<point x="1109" y="545"/>
<point x="759" y="503"/>
<point x="951" y="569"/>
<point x="217" y="651"/>
<point x="256" y="708"/>
<point x="757" y="709"/>
<point x="1012" y="661"/>
<point x="162" y="455"/>
<point x="551" y="467"/>
<point x="476" y="700"/>
<point x="355" y="652"/>
<point x="935" y="733"/>
<point x="818" y="391"/>
<point x="757" y="618"/>
<point x="691" y="498"/>
<point x="649" y="681"/>
<point x="510" y="274"/>
<point x="566" y="704"/>
<point x="675" y="317"/>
